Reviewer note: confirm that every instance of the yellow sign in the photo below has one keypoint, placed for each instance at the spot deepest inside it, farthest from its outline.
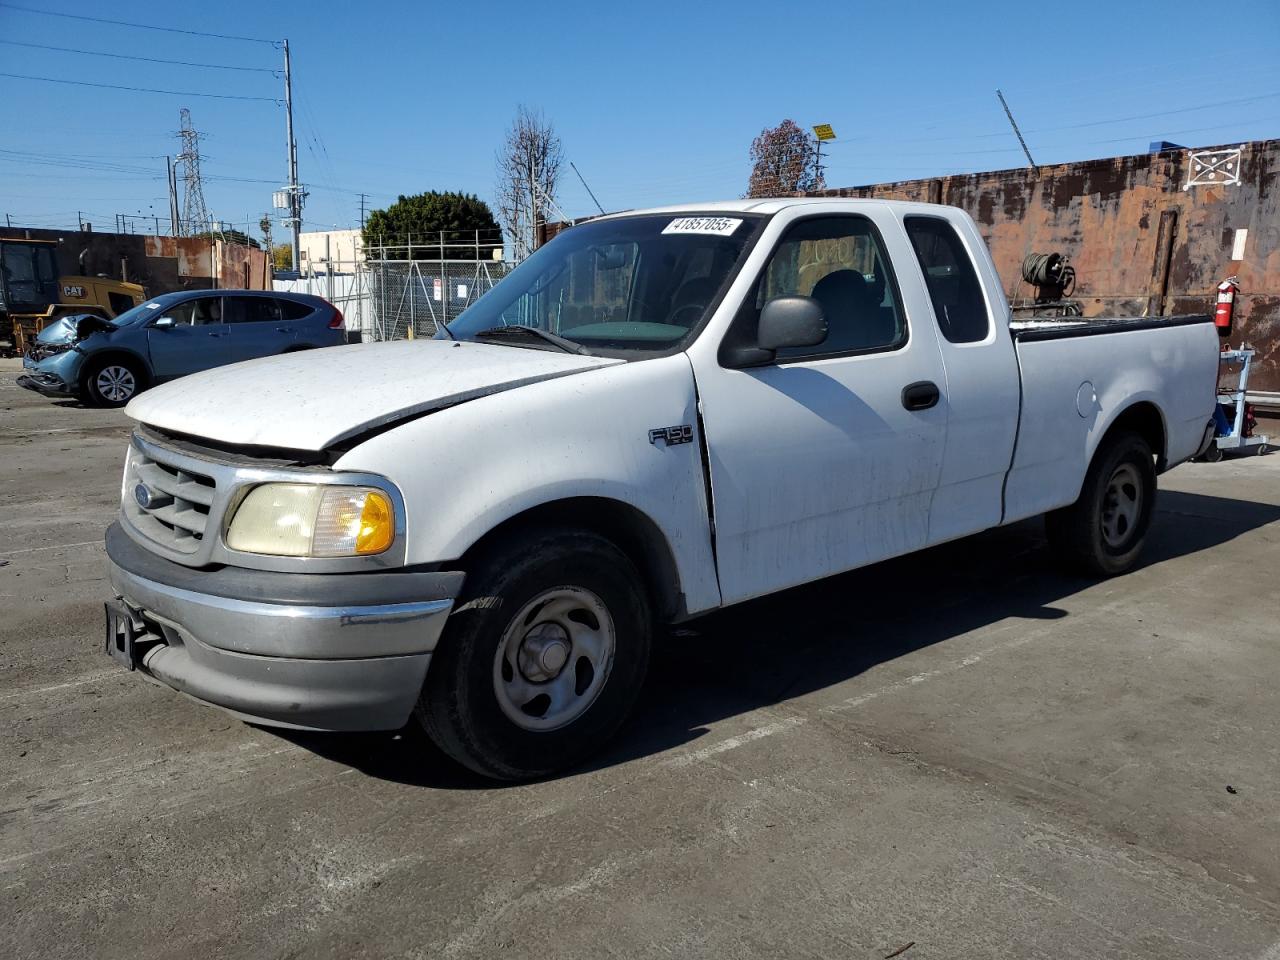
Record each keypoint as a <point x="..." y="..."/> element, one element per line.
<point x="823" y="131"/>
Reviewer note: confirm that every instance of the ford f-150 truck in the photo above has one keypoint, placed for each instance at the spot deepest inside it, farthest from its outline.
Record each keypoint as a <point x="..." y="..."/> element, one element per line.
<point x="655" y="415"/>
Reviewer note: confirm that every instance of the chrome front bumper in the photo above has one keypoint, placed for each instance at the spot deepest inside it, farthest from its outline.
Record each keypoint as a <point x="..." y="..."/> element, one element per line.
<point x="292" y="650"/>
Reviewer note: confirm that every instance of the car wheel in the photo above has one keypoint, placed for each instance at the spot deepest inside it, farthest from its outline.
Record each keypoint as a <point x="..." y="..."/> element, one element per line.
<point x="1103" y="532"/>
<point x="542" y="660"/>
<point x="112" y="383"/>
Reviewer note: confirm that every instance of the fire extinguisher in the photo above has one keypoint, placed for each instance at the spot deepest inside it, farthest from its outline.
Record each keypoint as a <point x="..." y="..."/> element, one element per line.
<point x="1225" y="311"/>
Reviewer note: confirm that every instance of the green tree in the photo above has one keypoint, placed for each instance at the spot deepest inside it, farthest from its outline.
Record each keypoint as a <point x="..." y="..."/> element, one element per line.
<point x="784" y="160"/>
<point x="423" y="217"/>
<point x="282" y="256"/>
<point x="230" y="236"/>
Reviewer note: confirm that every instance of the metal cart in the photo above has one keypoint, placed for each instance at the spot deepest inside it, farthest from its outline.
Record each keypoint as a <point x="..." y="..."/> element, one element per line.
<point x="1235" y="399"/>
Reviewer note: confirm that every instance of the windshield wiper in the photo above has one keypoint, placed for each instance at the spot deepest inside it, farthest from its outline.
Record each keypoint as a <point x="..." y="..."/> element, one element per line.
<point x="523" y="330"/>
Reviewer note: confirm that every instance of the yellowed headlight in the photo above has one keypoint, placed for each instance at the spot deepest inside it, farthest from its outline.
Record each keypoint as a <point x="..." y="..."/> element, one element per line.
<point x="313" y="520"/>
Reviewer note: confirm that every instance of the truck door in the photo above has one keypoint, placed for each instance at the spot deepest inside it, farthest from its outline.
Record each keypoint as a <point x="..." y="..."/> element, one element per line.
<point x="983" y="394"/>
<point x="817" y="464"/>
<point x="197" y="340"/>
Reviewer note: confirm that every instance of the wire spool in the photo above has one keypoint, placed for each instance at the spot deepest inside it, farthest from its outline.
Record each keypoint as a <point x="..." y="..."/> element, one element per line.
<point x="1049" y="270"/>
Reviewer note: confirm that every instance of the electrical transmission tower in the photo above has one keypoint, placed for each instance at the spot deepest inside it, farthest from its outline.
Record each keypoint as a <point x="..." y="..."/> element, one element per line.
<point x="195" y="215"/>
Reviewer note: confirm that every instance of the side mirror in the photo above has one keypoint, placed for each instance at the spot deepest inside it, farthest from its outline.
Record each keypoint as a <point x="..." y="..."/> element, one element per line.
<point x="163" y="323"/>
<point x="791" y="322"/>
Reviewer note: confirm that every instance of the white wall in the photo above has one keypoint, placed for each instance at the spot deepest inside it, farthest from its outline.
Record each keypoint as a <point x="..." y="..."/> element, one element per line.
<point x="344" y="245"/>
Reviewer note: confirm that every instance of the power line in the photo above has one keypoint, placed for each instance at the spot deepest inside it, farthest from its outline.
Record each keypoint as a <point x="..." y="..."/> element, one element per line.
<point x="138" y="26"/>
<point x="113" y="86"/>
<point x="126" y="56"/>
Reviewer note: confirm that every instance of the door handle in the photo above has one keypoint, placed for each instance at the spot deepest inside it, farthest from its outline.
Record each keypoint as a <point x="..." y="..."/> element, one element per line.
<point x="214" y="333"/>
<point x="920" y="395"/>
<point x="284" y="329"/>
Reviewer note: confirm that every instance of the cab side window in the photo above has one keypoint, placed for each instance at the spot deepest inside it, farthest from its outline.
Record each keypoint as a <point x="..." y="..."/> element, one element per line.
<point x="841" y="263"/>
<point x="949" y="274"/>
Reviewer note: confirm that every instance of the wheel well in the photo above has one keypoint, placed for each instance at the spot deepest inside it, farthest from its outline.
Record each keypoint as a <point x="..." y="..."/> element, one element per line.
<point x="125" y="356"/>
<point x="1145" y="420"/>
<point x="296" y="347"/>
<point x="631" y="531"/>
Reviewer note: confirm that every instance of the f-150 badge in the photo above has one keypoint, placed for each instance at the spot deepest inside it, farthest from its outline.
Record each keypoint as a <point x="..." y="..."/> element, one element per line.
<point x="671" y="435"/>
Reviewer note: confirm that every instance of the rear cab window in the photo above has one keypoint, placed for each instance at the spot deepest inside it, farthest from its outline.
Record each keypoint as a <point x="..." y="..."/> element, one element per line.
<point x="952" y="281"/>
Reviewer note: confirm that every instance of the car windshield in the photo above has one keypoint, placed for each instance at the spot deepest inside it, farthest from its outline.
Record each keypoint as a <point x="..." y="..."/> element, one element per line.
<point x="143" y="311"/>
<point x="626" y="285"/>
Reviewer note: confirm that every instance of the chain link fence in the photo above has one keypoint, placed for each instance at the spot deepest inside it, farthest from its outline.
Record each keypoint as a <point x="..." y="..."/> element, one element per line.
<point x="411" y="298"/>
<point x="399" y="299"/>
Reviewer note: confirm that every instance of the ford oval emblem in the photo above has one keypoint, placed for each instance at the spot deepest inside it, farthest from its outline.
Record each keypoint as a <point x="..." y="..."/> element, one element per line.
<point x="142" y="494"/>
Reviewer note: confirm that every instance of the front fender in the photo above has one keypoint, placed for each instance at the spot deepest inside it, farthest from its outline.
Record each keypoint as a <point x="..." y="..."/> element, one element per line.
<point x="467" y="469"/>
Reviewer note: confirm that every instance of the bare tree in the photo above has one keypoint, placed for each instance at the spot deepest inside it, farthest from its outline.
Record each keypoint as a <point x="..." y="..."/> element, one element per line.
<point x="528" y="172"/>
<point x="783" y="161"/>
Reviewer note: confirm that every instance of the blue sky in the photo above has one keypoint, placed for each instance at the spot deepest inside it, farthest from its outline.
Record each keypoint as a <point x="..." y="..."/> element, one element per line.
<point x="655" y="102"/>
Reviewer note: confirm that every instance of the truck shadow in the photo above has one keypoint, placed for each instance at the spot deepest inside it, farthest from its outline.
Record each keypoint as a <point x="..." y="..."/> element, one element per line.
<point x="766" y="651"/>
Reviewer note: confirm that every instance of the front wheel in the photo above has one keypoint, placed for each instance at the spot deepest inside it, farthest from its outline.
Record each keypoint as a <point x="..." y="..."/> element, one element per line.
<point x="112" y="383"/>
<point x="542" y="660"/>
<point x="1103" y="532"/>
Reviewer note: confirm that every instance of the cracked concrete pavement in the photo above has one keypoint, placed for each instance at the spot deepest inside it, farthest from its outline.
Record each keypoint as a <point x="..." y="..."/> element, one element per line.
<point x="963" y="750"/>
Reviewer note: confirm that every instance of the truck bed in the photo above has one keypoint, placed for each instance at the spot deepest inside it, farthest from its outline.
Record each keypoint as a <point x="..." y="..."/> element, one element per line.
<point x="1074" y="384"/>
<point x="1057" y="328"/>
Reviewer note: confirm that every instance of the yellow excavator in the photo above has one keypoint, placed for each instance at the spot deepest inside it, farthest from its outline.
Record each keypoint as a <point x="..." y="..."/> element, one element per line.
<point x="32" y="294"/>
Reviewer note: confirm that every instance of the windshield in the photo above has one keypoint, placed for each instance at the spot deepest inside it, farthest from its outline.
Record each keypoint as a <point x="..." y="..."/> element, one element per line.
<point x="629" y="284"/>
<point x="144" y="311"/>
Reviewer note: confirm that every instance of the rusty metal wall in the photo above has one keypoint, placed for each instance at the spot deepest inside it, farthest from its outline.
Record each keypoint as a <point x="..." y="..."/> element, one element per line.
<point x="160" y="264"/>
<point x="1107" y="216"/>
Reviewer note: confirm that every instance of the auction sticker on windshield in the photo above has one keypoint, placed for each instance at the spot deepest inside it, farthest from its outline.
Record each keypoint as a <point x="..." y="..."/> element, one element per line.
<point x="714" y="226"/>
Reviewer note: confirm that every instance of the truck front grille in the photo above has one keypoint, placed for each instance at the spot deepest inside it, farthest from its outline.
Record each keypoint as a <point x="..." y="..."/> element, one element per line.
<point x="167" y="503"/>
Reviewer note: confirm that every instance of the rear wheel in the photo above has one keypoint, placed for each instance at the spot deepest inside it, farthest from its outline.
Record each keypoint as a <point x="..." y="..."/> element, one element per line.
<point x="1103" y="532"/>
<point x="543" y="658"/>
<point x="112" y="382"/>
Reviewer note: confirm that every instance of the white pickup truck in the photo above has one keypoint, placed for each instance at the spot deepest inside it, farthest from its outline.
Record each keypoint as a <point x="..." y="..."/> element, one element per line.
<point x="655" y="415"/>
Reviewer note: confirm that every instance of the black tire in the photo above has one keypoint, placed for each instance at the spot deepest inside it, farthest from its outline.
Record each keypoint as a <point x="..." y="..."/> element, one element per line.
<point x="1103" y="532"/>
<point x="460" y="708"/>
<point x="111" y="382"/>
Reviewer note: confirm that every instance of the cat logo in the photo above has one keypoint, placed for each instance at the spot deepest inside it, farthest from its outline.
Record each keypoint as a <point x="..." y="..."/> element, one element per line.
<point x="73" y="291"/>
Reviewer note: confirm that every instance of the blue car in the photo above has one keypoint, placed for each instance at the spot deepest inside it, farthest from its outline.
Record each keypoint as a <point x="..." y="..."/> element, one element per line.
<point x="107" y="362"/>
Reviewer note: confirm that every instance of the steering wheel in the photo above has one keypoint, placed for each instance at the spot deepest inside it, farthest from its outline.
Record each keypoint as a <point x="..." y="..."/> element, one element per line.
<point x="671" y="317"/>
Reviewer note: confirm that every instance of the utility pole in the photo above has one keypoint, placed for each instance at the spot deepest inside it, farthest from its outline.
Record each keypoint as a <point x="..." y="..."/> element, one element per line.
<point x="173" y="196"/>
<point x="363" y="198"/>
<point x="295" y="191"/>
<point x="533" y="208"/>
<point x="1013" y="123"/>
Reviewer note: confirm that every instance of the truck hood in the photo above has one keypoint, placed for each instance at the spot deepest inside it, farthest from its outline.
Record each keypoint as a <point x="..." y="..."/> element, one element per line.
<point x="314" y="399"/>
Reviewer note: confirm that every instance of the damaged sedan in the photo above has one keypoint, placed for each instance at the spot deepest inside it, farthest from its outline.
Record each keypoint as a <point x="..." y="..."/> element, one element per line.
<point x="106" y="363"/>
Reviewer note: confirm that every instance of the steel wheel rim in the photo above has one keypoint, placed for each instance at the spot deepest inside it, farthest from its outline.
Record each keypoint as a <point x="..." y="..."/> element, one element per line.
<point x="1121" y="505"/>
<point x="116" y="383"/>
<point x="554" y="658"/>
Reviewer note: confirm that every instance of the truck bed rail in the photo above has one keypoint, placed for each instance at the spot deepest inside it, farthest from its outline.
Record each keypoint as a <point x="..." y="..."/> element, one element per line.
<point x="1058" y="328"/>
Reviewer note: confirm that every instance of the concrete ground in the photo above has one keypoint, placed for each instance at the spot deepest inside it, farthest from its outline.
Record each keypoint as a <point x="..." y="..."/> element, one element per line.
<point x="965" y="751"/>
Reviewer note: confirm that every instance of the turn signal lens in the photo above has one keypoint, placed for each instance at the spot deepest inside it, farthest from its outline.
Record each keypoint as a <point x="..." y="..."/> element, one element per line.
<point x="352" y="521"/>
<point x="313" y="520"/>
